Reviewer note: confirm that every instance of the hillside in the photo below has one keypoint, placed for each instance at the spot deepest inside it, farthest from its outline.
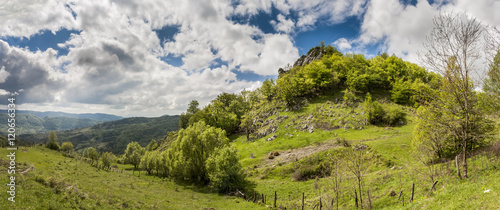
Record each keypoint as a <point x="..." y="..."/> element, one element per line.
<point x="115" y="135"/>
<point x="51" y="181"/>
<point x="333" y="131"/>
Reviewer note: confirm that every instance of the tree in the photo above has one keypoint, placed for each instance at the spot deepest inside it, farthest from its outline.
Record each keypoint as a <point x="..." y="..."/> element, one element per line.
<point x="152" y="145"/>
<point x="492" y="84"/>
<point x="107" y="159"/>
<point x="224" y="170"/>
<point x="93" y="155"/>
<point x="187" y="155"/>
<point x="193" y="107"/>
<point x="53" y="145"/>
<point x="133" y="154"/>
<point x="452" y="49"/>
<point x="358" y="162"/>
<point x="67" y="147"/>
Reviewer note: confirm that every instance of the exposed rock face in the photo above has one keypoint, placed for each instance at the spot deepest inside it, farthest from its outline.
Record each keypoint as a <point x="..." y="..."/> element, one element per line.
<point x="313" y="54"/>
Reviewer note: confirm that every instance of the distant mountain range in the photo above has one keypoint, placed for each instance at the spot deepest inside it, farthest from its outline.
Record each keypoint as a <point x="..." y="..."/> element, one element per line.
<point x="93" y="116"/>
<point x="32" y="122"/>
<point x="113" y="136"/>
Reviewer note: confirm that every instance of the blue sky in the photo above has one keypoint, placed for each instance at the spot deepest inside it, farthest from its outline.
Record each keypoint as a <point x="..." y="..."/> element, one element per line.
<point x="136" y="58"/>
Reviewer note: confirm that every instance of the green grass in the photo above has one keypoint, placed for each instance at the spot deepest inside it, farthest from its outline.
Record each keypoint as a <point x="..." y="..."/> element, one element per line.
<point x="61" y="182"/>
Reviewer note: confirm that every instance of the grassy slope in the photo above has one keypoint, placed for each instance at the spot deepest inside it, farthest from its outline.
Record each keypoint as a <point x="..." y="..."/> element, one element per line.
<point x="394" y="168"/>
<point x="390" y="144"/>
<point x="71" y="183"/>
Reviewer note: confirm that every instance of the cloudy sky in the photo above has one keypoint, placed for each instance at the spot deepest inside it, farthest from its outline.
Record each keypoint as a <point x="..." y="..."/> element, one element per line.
<point x="150" y="58"/>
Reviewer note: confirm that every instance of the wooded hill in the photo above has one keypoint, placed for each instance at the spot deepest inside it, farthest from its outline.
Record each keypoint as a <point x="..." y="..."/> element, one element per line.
<point x="113" y="136"/>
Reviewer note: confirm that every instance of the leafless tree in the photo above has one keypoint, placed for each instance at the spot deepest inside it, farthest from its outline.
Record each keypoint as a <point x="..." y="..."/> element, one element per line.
<point x="454" y="49"/>
<point x="358" y="162"/>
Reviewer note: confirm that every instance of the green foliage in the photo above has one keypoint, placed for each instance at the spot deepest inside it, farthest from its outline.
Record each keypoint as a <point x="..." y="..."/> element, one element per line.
<point x="386" y="114"/>
<point x="152" y="145"/>
<point x="133" y="154"/>
<point x="53" y="145"/>
<point x="67" y="147"/>
<point x="107" y="159"/>
<point x="115" y="135"/>
<point x="376" y="113"/>
<point x="92" y="154"/>
<point x="187" y="155"/>
<point x="224" y="170"/>
<point x="349" y="97"/>
<point x="150" y="161"/>
<point x="492" y="85"/>
<point x="396" y="116"/>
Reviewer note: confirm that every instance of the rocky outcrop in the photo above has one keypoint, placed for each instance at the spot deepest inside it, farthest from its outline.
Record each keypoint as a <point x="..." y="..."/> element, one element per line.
<point x="313" y="54"/>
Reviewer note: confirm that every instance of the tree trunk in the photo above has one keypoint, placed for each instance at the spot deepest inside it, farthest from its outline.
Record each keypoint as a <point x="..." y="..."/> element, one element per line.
<point x="465" y="159"/>
<point x="458" y="167"/>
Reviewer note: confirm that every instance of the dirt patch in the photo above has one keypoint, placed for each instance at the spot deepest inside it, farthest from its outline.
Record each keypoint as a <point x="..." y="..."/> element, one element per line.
<point x="293" y="155"/>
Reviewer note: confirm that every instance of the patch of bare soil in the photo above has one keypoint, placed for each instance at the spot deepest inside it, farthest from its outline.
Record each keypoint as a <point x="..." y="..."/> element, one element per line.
<point x="293" y="155"/>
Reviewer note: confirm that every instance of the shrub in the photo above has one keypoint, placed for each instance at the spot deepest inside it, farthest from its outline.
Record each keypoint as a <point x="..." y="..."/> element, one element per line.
<point x="396" y="116"/>
<point x="224" y="170"/>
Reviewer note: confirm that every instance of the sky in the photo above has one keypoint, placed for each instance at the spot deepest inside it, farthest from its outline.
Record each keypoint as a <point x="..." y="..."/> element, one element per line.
<point x="151" y="58"/>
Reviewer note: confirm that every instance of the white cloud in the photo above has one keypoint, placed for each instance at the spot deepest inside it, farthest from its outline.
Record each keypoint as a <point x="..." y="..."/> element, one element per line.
<point x="343" y="44"/>
<point x="3" y="74"/>
<point x="26" y="17"/>
<point x="402" y="30"/>
<point x="283" y="25"/>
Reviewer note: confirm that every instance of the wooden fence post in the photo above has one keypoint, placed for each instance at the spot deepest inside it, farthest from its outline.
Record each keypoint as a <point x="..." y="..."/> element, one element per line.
<point x="302" y="200"/>
<point x="275" y="195"/>
<point x="412" y="191"/>
<point x="263" y="201"/>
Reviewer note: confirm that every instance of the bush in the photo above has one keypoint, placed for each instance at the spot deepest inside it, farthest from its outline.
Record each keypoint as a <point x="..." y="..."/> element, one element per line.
<point x="376" y="113"/>
<point x="53" y="145"/>
<point x="396" y="116"/>
<point x="224" y="170"/>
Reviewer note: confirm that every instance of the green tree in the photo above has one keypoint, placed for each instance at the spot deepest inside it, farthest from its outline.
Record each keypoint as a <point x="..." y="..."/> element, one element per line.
<point x="67" y="147"/>
<point x="53" y="145"/>
<point x="152" y="145"/>
<point x="148" y="161"/>
<point x="224" y="170"/>
<point x="492" y="84"/>
<point x="93" y="155"/>
<point x="193" y="107"/>
<point x="187" y="155"/>
<point x="133" y="154"/>
<point x="107" y="159"/>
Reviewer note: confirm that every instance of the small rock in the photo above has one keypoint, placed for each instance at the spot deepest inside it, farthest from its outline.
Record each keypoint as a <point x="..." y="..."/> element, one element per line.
<point x="272" y="137"/>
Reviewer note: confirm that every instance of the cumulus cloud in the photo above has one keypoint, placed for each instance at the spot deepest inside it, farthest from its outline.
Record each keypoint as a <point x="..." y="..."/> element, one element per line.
<point x="30" y="73"/>
<point x="283" y="25"/>
<point x="343" y="44"/>
<point x="26" y="17"/>
<point x="402" y="29"/>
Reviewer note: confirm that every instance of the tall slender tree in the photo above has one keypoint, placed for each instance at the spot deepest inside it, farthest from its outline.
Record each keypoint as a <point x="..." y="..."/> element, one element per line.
<point x="453" y="49"/>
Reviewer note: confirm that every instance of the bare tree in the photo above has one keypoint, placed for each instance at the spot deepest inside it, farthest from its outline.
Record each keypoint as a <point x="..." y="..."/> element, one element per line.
<point x="358" y="162"/>
<point x="453" y="49"/>
<point x="337" y="176"/>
